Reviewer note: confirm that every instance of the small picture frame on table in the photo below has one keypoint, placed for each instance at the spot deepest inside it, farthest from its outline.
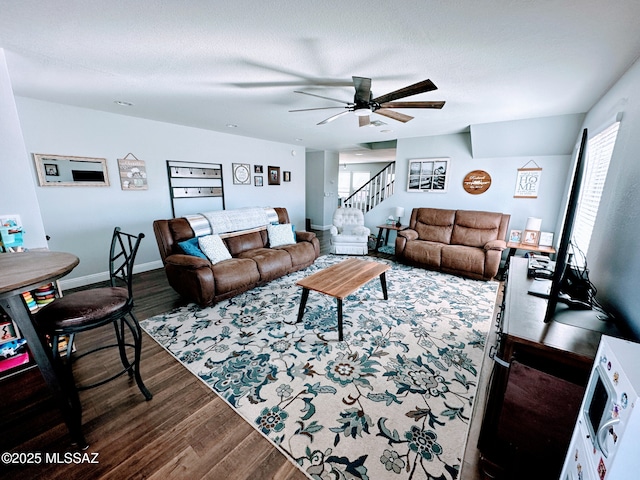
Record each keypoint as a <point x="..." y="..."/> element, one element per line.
<point x="530" y="237"/>
<point x="515" y="236"/>
<point x="546" y="239"/>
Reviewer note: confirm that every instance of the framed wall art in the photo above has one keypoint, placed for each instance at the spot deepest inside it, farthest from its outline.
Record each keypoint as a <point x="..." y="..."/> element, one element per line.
<point x="257" y="181"/>
<point x="241" y="173"/>
<point x="68" y="171"/>
<point x="428" y="175"/>
<point x="528" y="181"/>
<point x="286" y="176"/>
<point x="257" y="169"/>
<point x="273" y="175"/>
<point x="133" y="173"/>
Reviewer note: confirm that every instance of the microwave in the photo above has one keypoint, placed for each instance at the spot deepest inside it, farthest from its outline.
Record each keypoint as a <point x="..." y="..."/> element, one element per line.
<point x="605" y="440"/>
<point x="601" y="412"/>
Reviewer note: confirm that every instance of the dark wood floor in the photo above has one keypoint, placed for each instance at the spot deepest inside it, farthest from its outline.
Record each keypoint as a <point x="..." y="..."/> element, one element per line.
<point x="185" y="431"/>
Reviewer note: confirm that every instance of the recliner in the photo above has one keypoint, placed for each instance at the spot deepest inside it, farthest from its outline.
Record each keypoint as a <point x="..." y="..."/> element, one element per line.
<point x="348" y="233"/>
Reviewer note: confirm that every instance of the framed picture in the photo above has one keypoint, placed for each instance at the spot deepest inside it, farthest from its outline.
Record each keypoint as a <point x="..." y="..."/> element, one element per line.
<point x="51" y="170"/>
<point x="546" y="239"/>
<point x="515" y="236"/>
<point x="428" y="175"/>
<point x="241" y="173"/>
<point x="286" y="176"/>
<point x="527" y="183"/>
<point x="257" y="169"/>
<point x="530" y="237"/>
<point x="257" y="181"/>
<point x="67" y="171"/>
<point x="274" y="175"/>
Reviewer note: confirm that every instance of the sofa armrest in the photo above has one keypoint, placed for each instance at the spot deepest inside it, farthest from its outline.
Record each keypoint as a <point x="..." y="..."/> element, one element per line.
<point x="496" y="245"/>
<point x="189" y="262"/>
<point x="304" y="236"/>
<point x="408" y="234"/>
<point x="333" y="230"/>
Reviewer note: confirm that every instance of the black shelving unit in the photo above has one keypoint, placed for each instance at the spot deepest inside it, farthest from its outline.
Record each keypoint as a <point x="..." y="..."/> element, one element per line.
<point x="192" y="182"/>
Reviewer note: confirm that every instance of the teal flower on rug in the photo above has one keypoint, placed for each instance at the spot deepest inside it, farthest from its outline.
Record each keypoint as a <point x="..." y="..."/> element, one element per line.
<point x="241" y="375"/>
<point x="423" y="442"/>
<point x="271" y="420"/>
<point x="346" y="369"/>
<point x="393" y="400"/>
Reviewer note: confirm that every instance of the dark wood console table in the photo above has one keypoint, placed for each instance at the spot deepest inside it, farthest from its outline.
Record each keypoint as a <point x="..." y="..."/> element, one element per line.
<point x="539" y="374"/>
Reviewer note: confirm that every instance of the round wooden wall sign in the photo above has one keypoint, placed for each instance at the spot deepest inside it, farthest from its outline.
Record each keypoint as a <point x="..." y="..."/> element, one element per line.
<point x="476" y="182"/>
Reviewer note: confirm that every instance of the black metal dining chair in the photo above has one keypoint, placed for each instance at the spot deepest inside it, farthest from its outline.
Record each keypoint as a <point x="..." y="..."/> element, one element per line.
<point x="92" y="308"/>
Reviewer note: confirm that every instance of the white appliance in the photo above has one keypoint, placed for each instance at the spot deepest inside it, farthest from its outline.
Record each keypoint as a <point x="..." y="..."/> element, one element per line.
<point x="606" y="439"/>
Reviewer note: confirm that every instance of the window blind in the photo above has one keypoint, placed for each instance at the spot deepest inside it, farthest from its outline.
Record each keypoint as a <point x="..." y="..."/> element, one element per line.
<point x="599" y="151"/>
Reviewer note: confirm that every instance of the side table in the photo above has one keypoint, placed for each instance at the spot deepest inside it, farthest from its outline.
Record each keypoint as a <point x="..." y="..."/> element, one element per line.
<point x="388" y="228"/>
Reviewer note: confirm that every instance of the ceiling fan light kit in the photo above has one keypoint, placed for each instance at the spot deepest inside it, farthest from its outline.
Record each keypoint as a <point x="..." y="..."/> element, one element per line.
<point x="363" y="105"/>
<point x="363" y="112"/>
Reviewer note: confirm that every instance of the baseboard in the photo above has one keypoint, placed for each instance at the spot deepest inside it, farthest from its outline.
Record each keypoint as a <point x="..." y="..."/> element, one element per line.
<point x="320" y="227"/>
<point x="66" y="284"/>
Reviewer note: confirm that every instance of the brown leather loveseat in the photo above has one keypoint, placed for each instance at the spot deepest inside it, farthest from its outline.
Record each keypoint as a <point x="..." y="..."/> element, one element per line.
<point x="253" y="262"/>
<point x="461" y="242"/>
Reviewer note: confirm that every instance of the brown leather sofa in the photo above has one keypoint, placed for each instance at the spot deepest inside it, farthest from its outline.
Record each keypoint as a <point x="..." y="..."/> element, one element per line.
<point x="461" y="242"/>
<point x="253" y="262"/>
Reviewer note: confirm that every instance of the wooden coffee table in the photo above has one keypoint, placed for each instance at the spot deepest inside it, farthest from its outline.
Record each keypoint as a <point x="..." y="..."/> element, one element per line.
<point x="340" y="281"/>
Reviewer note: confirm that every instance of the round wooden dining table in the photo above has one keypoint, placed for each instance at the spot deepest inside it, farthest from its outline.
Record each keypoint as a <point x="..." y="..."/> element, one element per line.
<point x="25" y="271"/>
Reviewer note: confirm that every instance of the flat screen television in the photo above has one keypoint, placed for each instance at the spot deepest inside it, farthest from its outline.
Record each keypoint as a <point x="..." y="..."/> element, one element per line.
<point x="562" y="257"/>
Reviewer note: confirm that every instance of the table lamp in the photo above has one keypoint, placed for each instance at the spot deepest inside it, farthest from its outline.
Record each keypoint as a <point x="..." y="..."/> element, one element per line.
<point x="399" y="213"/>
<point x="533" y="224"/>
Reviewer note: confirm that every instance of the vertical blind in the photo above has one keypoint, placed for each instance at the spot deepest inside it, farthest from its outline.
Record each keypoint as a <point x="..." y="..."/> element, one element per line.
<point x="599" y="151"/>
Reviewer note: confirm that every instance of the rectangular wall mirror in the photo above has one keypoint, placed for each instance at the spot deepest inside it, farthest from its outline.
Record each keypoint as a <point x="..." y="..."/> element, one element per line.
<point x="65" y="171"/>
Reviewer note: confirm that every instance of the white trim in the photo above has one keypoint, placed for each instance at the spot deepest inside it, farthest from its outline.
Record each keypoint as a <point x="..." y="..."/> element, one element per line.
<point x="66" y="284"/>
<point x="321" y="227"/>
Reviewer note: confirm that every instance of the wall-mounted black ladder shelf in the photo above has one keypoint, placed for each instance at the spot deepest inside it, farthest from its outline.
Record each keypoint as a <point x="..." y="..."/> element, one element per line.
<point x="195" y="180"/>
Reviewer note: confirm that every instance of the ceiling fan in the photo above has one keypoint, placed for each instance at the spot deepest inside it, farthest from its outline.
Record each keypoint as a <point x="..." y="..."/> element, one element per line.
<point x="363" y="105"/>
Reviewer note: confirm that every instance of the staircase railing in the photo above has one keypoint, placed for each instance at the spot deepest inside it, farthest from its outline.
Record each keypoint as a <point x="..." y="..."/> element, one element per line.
<point x="375" y="191"/>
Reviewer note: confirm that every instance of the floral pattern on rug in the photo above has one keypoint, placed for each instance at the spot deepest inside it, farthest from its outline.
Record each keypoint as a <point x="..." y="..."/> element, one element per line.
<point x="393" y="400"/>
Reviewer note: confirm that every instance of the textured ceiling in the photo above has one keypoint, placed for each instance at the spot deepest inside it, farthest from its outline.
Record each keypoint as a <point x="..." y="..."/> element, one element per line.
<point x="206" y="64"/>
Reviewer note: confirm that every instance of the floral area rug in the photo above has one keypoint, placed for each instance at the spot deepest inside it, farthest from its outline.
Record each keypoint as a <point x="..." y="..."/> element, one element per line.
<point x="391" y="401"/>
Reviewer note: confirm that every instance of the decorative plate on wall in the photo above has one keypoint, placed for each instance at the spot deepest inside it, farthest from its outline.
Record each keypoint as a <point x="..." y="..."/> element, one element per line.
<point x="476" y="182"/>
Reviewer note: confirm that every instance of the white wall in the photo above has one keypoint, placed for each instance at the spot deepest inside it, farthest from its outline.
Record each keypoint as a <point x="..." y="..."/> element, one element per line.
<point x="322" y="188"/>
<point x="17" y="191"/>
<point x="613" y="259"/>
<point x="315" y="188"/>
<point x="499" y="197"/>
<point x="80" y="219"/>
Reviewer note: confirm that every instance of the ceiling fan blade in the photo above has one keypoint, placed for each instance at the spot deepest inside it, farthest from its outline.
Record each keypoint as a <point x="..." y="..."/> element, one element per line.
<point x="412" y="105"/>
<point x="320" y="96"/>
<point x="309" y="109"/>
<point x="331" y="119"/>
<point x="401" y="117"/>
<point x="363" y="88"/>
<point x="364" y="121"/>
<point x="420" y="87"/>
